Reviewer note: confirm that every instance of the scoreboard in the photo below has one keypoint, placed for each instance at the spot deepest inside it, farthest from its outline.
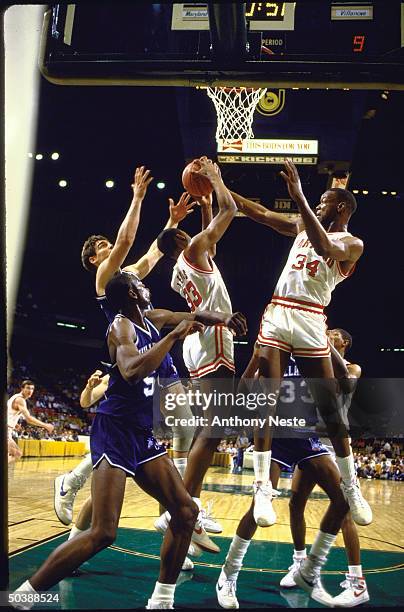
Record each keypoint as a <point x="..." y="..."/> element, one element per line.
<point x="317" y="43"/>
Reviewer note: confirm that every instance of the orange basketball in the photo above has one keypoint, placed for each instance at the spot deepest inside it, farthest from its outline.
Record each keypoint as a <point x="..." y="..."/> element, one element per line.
<point x="196" y="184"/>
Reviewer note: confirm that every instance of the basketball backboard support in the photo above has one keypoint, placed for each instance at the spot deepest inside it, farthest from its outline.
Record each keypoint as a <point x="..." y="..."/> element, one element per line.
<point x="285" y="44"/>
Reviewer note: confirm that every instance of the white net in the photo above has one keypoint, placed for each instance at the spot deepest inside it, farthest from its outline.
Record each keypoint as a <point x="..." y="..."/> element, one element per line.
<point x="235" y="108"/>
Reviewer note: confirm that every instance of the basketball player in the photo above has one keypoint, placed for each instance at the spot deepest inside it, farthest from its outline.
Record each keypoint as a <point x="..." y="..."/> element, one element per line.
<point x="312" y="462"/>
<point x="17" y="409"/>
<point x="324" y="253"/>
<point x="198" y="280"/>
<point x="100" y="256"/>
<point x="122" y="442"/>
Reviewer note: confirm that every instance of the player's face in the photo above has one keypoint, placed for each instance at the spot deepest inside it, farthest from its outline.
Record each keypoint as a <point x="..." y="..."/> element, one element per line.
<point x="143" y="293"/>
<point x="102" y="249"/>
<point x="336" y="338"/>
<point x="327" y="209"/>
<point x="27" y="391"/>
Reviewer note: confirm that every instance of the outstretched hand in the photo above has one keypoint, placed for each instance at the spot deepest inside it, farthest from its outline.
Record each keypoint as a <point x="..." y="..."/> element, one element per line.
<point x="94" y="379"/>
<point x="292" y="180"/>
<point x="237" y="323"/>
<point x="141" y="181"/>
<point x="209" y="169"/>
<point x="182" y="209"/>
<point x="185" y="328"/>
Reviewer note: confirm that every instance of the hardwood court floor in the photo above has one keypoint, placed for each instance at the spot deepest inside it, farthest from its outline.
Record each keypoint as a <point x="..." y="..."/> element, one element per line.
<point x="123" y="575"/>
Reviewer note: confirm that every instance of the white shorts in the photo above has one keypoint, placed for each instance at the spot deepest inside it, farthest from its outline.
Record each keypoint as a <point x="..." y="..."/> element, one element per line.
<point x="205" y="352"/>
<point x="295" y="326"/>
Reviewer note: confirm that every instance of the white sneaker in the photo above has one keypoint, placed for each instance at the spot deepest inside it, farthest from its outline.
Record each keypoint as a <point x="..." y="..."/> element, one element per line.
<point x="264" y="514"/>
<point x="226" y="592"/>
<point x="159" y="605"/>
<point x="201" y="538"/>
<point x="355" y="593"/>
<point x="208" y="522"/>
<point x="161" y="524"/>
<point x="360" y="509"/>
<point x="288" y="581"/>
<point x="314" y="587"/>
<point x="64" y="498"/>
<point x="187" y="565"/>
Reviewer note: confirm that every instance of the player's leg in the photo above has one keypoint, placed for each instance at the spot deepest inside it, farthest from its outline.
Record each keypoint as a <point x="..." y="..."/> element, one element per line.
<point x="226" y="585"/>
<point x="14" y="452"/>
<point x="272" y="365"/>
<point x="302" y="486"/>
<point x="108" y="488"/>
<point x="322" y="470"/>
<point x="83" y="521"/>
<point x="160" y="479"/>
<point x="355" y="589"/>
<point x="66" y="487"/>
<point x="319" y="375"/>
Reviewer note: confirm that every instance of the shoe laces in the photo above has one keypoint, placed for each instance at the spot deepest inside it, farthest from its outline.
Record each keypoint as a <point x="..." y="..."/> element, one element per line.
<point x="296" y="563"/>
<point x="230" y="588"/>
<point x="207" y="513"/>
<point x="352" y="582"/>
<point x="262" y="488"/>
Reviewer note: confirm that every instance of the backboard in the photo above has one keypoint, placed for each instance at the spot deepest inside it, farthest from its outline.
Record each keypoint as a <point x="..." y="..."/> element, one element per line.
<point x="311" y="43"/>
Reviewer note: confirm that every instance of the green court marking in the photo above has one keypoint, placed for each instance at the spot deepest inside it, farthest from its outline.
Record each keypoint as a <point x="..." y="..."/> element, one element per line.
<point x="123" y="576"/>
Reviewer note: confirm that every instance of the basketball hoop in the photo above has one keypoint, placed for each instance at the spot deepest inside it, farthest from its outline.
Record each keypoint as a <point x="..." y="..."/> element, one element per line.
<point x="235" y="108"/>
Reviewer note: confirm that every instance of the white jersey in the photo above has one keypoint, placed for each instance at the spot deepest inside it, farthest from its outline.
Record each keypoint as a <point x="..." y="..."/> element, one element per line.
<point x="13" y="416"/>
<point x="307" y="276"/>
<point x="202" y="289"/>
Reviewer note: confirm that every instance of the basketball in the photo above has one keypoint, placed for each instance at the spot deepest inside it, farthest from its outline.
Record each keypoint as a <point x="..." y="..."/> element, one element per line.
<point x="196" y="184"/>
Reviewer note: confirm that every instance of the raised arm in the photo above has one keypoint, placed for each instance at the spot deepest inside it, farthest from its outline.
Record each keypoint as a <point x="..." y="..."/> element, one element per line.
<point x="94" y="389"/>
<point x="135" y="366"/>
<point x="178" y="212"/>
<point x="127" y="232"/>
<point x="205" y="203"/>
<point x="166" y="318"/>
<point x="341" y="249"/>
<point x="261" y="214"/>
<point x="346" y="374"/>
<point x="203" y="242"/>
<point x="21" y="405"/>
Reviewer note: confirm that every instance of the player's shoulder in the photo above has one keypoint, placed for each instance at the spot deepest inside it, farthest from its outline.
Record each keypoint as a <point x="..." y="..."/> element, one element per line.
<point x="122" y="325"/>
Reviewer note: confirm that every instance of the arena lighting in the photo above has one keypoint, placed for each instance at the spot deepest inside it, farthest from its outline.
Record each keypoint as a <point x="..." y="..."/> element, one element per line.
<point x="160" y="185"/>
<point x="393" y="193"/>
<point x="355" y="190"/>
<point x="240" y="342"/>
<point x="384" y="192"/>
<point x="55" y="156"/>
<point x="39" y="156"/>
<point x="71" y="325"/>
<point x="30" y="155"/>
<point x="109" y="184"/>
<point x="365" y="192"/>
<point x="62" y="183"/>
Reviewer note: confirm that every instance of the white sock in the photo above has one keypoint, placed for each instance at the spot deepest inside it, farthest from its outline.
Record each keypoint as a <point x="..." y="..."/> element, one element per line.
<point x="181" y="465"/>
<point x="347" y="468"/>
<point x="318" y="552"/>
<point x="80" y="473"/>
<point x="299" y="554"/>
<point x="355" y="570"/>
<point x="163" y="592"/>
<point x="74" y="532"/>
<point x="234" y="559"/>
<point x="262" y="462"/>
<point x="25" y="587"/>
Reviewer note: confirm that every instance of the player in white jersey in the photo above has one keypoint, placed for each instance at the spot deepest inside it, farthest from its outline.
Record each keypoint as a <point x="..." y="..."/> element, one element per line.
<point x="197" y="279"/>
<point x="99" y="255"/>
<point x="323" y="254"/>
<point x="17" y="409"/>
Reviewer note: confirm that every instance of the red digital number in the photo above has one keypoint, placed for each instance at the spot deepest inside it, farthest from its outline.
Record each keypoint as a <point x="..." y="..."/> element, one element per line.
<point x="358" y="43"/>
<point x="192" y="296"/>
<point x="312" y="266"/>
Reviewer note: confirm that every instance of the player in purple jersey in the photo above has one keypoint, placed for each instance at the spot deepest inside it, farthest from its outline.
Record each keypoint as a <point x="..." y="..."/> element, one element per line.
<point x="122" y="443"/>
<point x="99" y="255"/>
<point x="311" y="457"/>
